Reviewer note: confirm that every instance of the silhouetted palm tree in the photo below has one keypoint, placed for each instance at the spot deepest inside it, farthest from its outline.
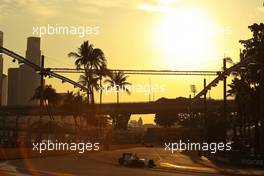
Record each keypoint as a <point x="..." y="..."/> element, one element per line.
<point x="90" y="80"/>
<point x="90" y="59"/>
<point x="74" y="102"/>
<point x="50" y="97"/>
<point x="118" y="81"/>
<point x="102" y="72"/>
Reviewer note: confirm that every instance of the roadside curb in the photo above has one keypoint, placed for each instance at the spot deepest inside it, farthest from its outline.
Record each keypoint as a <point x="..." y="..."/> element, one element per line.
<point x="222" y="172"/>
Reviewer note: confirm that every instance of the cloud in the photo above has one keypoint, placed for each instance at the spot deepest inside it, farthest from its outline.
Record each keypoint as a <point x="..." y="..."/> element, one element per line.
<point x="42" y="9"/>
<point x="161" y="6"/>
<point x="146" y="5"/>
<point x="109" y="3"/>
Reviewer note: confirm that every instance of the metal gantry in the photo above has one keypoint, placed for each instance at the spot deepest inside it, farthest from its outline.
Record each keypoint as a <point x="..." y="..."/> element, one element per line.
<point x="144" y="72"/>
<point x="37" y="68"/>
<point x="221" y="76"/>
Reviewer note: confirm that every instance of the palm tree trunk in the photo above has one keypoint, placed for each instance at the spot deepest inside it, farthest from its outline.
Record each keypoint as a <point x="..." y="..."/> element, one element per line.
<point x="101" y="91"/>
<point x="87" y="86"/>
<point x="92" y="95"/>
<point x="117" y="97"/>
<point x="48" y="110"/>
<point x="88" y="96"/>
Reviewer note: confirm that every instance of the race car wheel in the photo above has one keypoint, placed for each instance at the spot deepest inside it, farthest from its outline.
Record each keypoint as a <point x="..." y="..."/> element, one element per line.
<point x="151" y="164"/>
<point x="121" y="161"/>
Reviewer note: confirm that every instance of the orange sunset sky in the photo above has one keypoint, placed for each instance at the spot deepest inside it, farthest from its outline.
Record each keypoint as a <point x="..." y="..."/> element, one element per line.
<point x="137" y="34"/>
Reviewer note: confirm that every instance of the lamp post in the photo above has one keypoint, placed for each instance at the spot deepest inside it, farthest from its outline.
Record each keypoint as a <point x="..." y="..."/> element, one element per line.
<point x="205" y="111"/>
<point x="41" y="103"/>
<point x="224" y="98"/>
<point x="193" y="90"/>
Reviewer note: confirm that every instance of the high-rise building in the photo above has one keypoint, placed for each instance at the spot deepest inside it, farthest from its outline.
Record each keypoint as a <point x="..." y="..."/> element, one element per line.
<point x="1" y="66"/>
<point x="13" y="86"/>
<point x="4" y="90"/>
<point x="23" y="81"/>
<point x="1" y="78"/>
<point x="29" y="79"/>
<point x="1" y="38"/>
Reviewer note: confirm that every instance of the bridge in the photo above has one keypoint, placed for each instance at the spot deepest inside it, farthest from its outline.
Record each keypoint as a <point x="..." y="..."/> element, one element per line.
<point x="171" y="105"/>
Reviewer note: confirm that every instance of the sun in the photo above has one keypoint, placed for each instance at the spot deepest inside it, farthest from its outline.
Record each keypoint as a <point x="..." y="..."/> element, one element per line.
<point x="185" y="38"/>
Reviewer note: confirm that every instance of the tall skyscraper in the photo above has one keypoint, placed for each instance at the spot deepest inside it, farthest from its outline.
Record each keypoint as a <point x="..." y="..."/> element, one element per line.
<point x="1" y="66"/>
<point x="1" y="38"/>
<point x="4" y="90"/>
<point x="1" y="78"/>
<point x="13" y="86"/>
<point x="29" y="79"/>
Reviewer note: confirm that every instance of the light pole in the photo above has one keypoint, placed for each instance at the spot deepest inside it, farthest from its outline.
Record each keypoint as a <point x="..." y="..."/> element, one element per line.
<point x="41" y="103"/>
<point x="193" y="90"/>
<point x="205" y="112"/>
<point x="224" y="98"/>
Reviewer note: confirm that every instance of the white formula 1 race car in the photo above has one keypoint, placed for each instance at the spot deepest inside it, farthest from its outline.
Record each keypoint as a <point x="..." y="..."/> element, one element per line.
<point x="132" y="160"/>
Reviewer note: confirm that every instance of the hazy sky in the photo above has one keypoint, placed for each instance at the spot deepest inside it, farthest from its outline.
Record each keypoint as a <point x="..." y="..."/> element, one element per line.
<point x="137" y="34"/>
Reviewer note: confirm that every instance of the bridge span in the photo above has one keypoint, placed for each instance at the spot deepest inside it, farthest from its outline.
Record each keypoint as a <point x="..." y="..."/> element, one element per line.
<point x="122" y="108"/>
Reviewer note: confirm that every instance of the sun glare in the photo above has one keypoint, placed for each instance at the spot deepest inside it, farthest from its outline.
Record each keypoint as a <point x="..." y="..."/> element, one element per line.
<point x="185" y="39"/>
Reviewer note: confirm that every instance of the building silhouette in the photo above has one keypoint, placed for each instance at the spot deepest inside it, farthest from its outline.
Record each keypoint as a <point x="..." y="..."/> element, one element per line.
<point x="4" y="90"/>
<point x="24" y="80"/>
<point x="3" y="78"/>
<point x="13" y="86"/>
<point x="29" y="79"/>
<point x="1" y="38"/>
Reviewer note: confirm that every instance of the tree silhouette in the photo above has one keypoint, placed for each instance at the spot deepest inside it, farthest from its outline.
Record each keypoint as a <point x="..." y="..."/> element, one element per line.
<point x="118" y="81"/>
<point x="49" y="95"/>
<point x="90" y="80"/>
<point x="90" y="59"/>
<point x="246" y="87"/>
<point x="165" y="119"/>
<point x="102" y="72"/>
<point x="74" y="103"/>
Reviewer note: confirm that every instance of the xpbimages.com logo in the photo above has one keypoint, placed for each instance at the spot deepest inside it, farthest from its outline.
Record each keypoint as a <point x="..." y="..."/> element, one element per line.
<point x="80" y="147"/>
<point x="80" y="31"/>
